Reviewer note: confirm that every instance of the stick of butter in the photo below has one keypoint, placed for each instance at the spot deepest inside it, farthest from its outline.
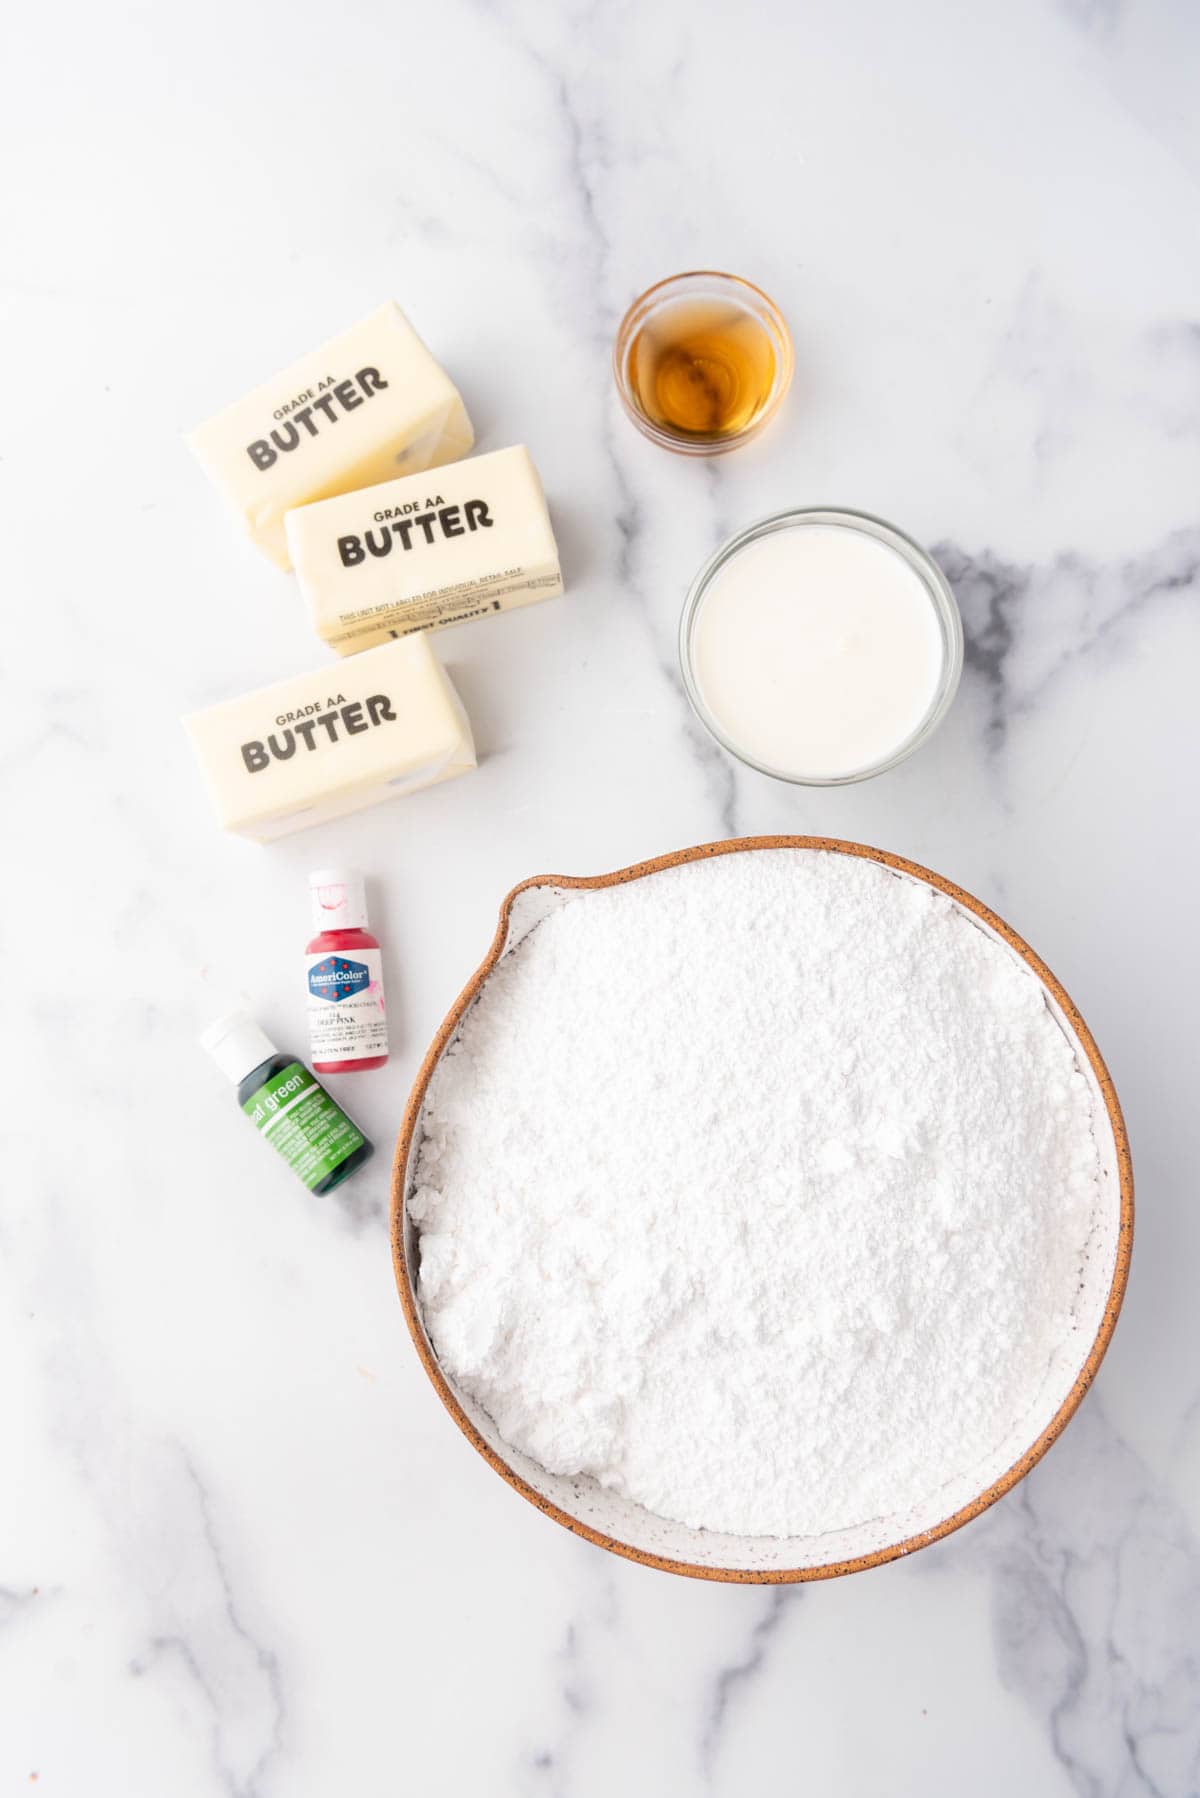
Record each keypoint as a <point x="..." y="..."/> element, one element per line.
<point x="321" y="745"/>
<point x="371" y="404"/>
<point x="413" y="554"/>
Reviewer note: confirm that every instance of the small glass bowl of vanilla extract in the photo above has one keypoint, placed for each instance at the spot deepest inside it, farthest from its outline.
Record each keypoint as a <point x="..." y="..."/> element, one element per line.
<point x="702" y="362"/>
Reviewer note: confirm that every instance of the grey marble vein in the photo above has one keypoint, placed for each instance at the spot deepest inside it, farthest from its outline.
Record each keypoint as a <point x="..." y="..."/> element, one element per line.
<point x="732" y="1678"/>
<point x="1025" y="625"/>
<point x="584" y="158"/>
<point x="1096" y="1600"/>
<point x="550" y="1769"/>
<point x="990" y="594"/>
<point x="236" y="1676"/>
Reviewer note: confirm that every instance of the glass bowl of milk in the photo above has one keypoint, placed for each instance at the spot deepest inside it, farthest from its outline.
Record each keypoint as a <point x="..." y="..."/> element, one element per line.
<point x="821" y="646"/>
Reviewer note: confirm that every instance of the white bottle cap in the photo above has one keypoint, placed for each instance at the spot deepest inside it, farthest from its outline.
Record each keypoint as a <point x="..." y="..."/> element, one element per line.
<point x="237" y="1045"/>
<point x="339" y="901"/>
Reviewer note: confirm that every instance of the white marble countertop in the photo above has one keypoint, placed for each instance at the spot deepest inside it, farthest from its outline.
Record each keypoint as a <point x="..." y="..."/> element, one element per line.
<point x="244" y="1551"/>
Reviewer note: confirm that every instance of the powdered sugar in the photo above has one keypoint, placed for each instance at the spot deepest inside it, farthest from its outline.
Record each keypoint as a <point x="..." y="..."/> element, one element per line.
<point x="759" y="1189"/>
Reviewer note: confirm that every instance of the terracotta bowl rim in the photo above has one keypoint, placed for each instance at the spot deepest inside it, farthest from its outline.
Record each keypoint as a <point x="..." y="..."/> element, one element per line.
<point x="1112" y="1307"/>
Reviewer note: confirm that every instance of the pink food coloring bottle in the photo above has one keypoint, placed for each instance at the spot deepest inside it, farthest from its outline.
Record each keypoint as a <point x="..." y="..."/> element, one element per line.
<point x="347" y="1023"/>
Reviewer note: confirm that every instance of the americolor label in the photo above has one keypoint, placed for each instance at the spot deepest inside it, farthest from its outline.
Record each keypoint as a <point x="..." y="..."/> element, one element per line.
<point x="336" y="977"/>
<point x="346" y="1013"/>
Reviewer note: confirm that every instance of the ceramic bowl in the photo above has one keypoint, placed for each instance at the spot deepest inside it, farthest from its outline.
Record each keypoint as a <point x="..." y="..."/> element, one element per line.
<point x="625" y="1528"/>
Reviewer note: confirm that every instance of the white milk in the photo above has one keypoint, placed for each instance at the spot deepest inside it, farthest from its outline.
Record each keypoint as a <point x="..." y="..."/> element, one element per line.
<point x="817" y="650"/>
